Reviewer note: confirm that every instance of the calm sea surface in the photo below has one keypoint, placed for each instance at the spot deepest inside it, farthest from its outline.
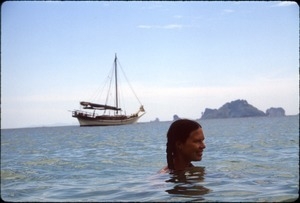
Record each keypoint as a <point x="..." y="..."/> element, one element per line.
<point x="246" y="159"/>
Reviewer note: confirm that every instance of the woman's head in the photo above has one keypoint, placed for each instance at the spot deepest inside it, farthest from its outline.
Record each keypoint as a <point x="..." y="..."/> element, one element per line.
<point x="178" y="134"/>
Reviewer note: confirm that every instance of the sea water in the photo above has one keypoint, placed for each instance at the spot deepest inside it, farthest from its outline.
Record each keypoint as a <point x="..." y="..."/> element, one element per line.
<point x="246" y="159"/>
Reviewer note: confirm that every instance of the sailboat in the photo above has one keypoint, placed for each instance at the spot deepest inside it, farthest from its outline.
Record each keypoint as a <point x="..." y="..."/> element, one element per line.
<point x="111" y="114"/>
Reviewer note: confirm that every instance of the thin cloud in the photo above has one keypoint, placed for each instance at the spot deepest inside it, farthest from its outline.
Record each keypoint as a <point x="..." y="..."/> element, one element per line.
<point x="155" y="5"/>
<point x="178" y="16"/>
<point x="285" y="3"/>
<point x="169" y="26"/>
<point x="173" y="26"/>
<point x="228" y="11"/>
<point x="145" y="26"/>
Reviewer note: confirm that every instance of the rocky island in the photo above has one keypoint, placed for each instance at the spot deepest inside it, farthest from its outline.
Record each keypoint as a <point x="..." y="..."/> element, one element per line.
<point x="238" y="109"/>
<point x="275" y="112"/>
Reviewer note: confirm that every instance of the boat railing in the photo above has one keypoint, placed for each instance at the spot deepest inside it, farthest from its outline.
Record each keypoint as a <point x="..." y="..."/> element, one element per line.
<point x="85" y="114"/>
<point x="82" y="113"/>
<point x="79" y="113"/>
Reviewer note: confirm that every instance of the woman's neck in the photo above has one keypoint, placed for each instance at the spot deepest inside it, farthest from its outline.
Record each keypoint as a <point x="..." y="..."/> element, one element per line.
<point x="181" y="164"/>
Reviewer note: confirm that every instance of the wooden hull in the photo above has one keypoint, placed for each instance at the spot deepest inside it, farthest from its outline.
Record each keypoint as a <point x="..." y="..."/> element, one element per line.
<point x="87" y="120"/>
<point x="104" y="122"/>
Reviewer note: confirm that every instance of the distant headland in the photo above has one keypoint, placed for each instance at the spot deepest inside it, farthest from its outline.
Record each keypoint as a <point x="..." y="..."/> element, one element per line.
<point x="239" y="109"/>
<point x="236" y="109"/>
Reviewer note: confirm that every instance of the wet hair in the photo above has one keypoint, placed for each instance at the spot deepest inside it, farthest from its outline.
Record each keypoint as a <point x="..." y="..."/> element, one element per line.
<point x="178" y="131"/>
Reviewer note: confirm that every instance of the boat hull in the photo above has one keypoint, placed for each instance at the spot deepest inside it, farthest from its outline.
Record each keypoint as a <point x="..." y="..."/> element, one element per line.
<point x="88" y="120"/>
<point x="104" y="122"/>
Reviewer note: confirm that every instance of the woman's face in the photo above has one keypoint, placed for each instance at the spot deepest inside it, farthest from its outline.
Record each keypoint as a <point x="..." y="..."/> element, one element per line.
<point x="193" y="148"/>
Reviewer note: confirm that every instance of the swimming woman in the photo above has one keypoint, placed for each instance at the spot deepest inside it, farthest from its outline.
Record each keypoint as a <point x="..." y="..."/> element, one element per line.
<point x="185" y="143"/>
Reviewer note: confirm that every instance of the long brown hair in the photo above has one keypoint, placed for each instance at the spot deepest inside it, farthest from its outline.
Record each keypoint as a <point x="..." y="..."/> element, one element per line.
<point x="178" y="131"/>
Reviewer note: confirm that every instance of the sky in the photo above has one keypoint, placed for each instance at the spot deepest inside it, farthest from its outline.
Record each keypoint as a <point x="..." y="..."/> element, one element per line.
<point x="179" y="57"/>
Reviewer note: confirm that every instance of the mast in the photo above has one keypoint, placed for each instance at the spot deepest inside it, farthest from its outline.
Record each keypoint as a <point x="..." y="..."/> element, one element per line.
<point x="116" y="82"/>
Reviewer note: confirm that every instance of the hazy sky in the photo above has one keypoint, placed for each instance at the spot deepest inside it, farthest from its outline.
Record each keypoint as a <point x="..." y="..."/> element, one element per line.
<point x="180" y="57"/>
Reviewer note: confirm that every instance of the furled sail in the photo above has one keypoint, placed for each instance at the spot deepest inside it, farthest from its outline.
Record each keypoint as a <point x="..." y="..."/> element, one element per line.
<point x="89" y="105"/>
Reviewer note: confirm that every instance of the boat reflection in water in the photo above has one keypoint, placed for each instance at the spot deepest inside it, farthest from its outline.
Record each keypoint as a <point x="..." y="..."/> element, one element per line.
<point x="188" y="183"/>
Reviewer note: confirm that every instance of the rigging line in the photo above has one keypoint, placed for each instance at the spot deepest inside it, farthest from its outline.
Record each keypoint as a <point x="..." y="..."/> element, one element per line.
<point x="129" y="84"/>
<point x="122" y="100"/>
<point x="120" y="97"/>
<point x="99" y="91"/>
<point x="108" y="93"/>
